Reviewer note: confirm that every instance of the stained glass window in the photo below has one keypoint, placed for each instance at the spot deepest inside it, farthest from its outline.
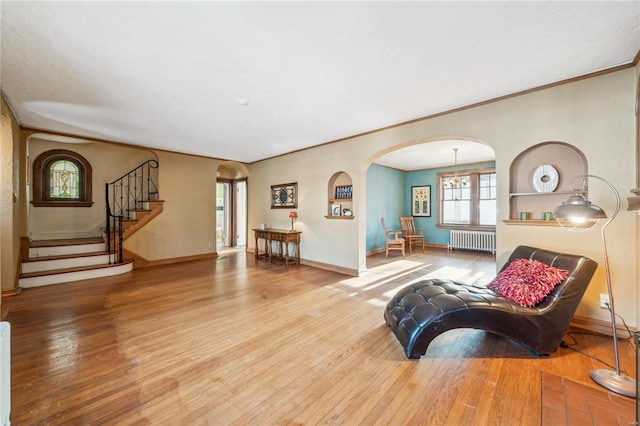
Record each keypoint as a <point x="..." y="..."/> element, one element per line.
<point x="61" y="178"/>
<point x="64" y="180"/>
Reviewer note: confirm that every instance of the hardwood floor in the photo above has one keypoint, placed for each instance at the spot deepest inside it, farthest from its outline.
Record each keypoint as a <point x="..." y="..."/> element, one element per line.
<point x="235" y="341"/>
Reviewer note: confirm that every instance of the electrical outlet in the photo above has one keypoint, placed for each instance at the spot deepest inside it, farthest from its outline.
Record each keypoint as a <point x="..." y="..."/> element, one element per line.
<point x="210" y="245"/>
<point x="604" y="301"/>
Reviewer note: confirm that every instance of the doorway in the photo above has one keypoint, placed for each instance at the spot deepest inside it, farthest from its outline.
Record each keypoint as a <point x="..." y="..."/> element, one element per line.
<point x="231" y="213"/>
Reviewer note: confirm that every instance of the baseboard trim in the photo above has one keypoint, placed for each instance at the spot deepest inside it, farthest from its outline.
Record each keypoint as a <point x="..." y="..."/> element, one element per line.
<point x="438" y="246"/>
<point x="599" y="326"/>
<point x="427" y="245"/>
<point x="8" y="292"/>
<point x="375" y="251"/>
<point x="141" y="262"/>
<point x="321" y="265"/>
<point x="329" y="267"/>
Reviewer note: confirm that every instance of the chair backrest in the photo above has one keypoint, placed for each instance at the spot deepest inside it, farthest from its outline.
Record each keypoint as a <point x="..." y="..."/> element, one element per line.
<point x="407" y="226"/>
<point x="384" y="227"/>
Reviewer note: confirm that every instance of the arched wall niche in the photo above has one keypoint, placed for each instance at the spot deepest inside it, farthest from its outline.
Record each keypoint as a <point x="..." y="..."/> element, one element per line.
<point x="340" y="196"/>
<point x="525" y="198"/>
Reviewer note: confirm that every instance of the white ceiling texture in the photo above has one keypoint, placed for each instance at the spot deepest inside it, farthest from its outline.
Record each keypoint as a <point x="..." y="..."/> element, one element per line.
<point x="246" y="81"/>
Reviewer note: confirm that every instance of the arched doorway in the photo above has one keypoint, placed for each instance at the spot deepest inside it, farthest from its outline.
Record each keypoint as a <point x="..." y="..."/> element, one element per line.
<point x="393" y="173"/>
<point x="231" y="205"/>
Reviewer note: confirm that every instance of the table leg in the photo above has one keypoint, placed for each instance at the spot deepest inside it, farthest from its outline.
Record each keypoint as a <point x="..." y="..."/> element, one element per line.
<point x="257" y="248"/>
<point x="286" y="254"/>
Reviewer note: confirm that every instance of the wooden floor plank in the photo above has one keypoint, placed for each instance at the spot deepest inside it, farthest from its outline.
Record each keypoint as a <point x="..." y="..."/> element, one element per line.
<point x="235" y="341"/>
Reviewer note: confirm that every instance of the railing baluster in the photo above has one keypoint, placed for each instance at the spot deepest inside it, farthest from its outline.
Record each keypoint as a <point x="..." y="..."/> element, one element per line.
<point x="108" y="227"/>
<point x="125" y="200"/>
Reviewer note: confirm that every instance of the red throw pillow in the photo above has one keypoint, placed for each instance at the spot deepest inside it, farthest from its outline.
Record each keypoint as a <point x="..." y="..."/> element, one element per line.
<point x="527" y="282"/>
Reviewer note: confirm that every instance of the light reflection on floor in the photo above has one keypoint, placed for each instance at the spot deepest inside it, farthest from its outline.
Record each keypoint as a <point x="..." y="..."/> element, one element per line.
<point x="382" y="275"/>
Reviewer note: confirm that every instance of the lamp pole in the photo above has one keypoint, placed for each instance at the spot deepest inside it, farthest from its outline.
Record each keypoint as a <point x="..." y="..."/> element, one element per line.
<point x="615" y="382"/>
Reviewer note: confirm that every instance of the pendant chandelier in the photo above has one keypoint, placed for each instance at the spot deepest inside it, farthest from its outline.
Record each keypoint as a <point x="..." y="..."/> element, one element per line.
<point x="455" y="181"/>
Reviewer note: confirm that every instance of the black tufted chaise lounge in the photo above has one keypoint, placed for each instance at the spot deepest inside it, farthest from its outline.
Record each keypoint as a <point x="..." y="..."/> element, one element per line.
<point x="420" y="312"/>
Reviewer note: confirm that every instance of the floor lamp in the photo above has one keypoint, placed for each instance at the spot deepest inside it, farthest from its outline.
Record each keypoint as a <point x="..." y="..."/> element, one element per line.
<point x="578" y="210"/>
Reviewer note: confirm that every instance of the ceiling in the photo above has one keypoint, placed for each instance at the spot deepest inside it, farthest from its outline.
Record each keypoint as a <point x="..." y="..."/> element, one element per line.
<point x="246" y="81"/>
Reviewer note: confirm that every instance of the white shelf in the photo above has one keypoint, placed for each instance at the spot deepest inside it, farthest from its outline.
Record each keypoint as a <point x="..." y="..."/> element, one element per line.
<point x="524" y="194"/>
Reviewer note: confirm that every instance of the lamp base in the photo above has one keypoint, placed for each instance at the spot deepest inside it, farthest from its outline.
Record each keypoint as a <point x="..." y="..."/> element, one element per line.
<point x="618" y="383"/>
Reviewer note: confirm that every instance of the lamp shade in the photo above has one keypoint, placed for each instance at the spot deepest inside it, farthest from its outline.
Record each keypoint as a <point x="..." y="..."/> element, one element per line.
<point x="578" y="207"/>
<point x="293" y="214"/>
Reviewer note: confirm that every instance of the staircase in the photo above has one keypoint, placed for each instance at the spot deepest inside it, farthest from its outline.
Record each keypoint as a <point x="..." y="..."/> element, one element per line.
<point x="131" y="203"/>
<point x="140" y="217"/>
<point x="62" y="261"/>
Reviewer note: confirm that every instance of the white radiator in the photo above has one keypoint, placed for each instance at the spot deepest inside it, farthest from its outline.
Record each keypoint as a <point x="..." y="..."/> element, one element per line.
<point x="473" y="240"/>
<point x="5" y="373"/>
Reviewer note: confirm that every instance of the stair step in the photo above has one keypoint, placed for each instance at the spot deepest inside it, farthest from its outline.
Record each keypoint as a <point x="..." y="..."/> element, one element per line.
<point x="63" y="250"/>
<point x="62" y="256"/>
<point x="66" y="242"/>
<point x="59" y="276"/>
<point x="48" y="263"/>
<point x="42" y="248"/>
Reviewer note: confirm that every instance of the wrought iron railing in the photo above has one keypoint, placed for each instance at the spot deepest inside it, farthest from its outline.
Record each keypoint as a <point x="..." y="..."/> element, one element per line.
<point x="125" y="195"/>
<point x="113" y="230"/>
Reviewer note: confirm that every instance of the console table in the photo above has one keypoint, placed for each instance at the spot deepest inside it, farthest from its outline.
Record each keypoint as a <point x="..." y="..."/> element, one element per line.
<point x="282" y="238"/>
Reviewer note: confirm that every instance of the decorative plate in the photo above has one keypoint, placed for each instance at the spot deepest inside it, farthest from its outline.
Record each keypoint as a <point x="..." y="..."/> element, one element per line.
<point x="545" y="178"/>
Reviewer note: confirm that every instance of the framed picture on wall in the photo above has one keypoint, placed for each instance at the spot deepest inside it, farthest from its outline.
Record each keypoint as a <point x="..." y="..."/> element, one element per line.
<point x="284" y="196"/>
<point x="421" y="201"/>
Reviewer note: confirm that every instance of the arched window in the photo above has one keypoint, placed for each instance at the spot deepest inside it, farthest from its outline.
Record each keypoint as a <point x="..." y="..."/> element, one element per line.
<point x="61" y="178"/>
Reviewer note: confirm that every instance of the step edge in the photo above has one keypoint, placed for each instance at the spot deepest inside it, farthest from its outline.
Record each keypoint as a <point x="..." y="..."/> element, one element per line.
<point x="63" y="256"/>
<point x="69" y="270"/>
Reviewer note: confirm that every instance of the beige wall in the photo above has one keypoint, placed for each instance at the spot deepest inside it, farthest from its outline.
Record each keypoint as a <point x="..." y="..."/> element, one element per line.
<point x="187" y="223"/>
<point x="108" y="161"/>
<point x="595" y="115"/>
<point x="9" y="197"/>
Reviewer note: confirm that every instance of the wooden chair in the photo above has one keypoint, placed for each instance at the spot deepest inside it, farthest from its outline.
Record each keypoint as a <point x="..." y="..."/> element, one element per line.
<point x="411" y="234"/>
<point x="393" y="240"/>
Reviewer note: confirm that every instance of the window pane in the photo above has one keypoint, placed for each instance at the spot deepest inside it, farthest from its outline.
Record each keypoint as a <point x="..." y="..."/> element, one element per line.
<point x="487" y="186"/>
<point x="447" y="194"/>
<point x="458" y="212"/>
<point x="464" y="193"/>
<point x="64" y="180"/>
<point x="487" y="212"/>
